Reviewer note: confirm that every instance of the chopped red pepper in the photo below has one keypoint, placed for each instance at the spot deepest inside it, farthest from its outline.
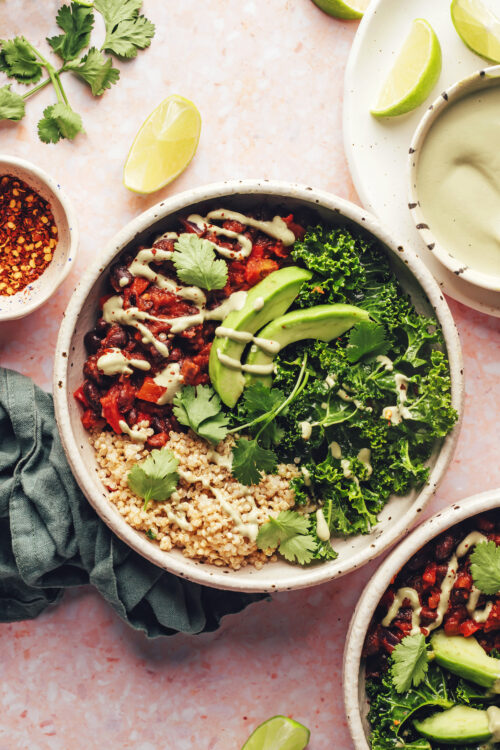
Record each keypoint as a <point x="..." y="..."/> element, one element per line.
<point x="91" y="421"/>
<point x="469" y="627"/>
<point x="429" y="575"/>
<point x="110" y="411"/>
<point x="80" y="396"/>
<point x="139" y="286"/>
<point x="150" y="391"/>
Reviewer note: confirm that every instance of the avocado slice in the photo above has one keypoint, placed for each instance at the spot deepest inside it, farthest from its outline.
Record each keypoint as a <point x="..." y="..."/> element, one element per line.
<point x="459" y="725"/>
<point x="466" y="658"/>
<point x="268" y="299"/>
<point x="323" y="322"/>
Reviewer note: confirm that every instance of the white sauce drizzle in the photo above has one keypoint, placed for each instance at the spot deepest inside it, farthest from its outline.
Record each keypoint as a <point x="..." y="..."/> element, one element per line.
<point x="493" y="714"/>
<point x="307" y="476"/>
<point x="258" y="304"/>
<point x="114" y="362"/>
<point x="322" y="529"/>
<point x="171" y="379"/>
<point x="249" y="527"/>
<point x="364" y="456"/>
<point x="218" y="458"/>
<point x="341" y="393"/>
<point x="305" y="430"/>
<point x="330" y="380"/>
<point x="139" y="433"/>
<point x="236" y="364"/>
<point x="480" y="616"/>
<point x="335" y="450"/>
<point x="388" y="363"/>
<point x="267" y="345"/>
<point x="395" y="414"/>
<point x="345" y="465"/>
<point x="401" y="387"/>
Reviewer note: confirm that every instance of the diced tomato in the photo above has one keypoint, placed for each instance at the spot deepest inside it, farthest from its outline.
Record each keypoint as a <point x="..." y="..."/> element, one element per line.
<point x="150" y="391"/>
<point x="429" y="575"/>
<point x="139" y="286"/>
<point x="257" y="270"/>
<point x="189" y="371"/>
<point x="434" y="599"/>
<point x="110" y="411"/>
<point x="493" y="621"/>
<point x="90" y="420"/>
<point x="468" y="628"/>
<point x="80" y="397"/>
<point x="463" y="581"/>
<point x="298" y="231"/>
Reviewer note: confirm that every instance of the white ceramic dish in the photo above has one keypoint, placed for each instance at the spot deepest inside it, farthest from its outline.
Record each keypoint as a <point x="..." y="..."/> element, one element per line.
<point x="354" y="683"/>
<point x="34" y="295"/>
<point x="398" y="515"/>
<point x="377" y="151"/>
<point x="475" y="83"/>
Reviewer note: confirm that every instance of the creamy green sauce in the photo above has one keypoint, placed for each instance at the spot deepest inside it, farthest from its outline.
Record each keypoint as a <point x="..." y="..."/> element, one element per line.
<point x="114" y="362"/>
<point x="458" y="180"/>
<point x="480" y="616"/>
<point x="171" y="379"/>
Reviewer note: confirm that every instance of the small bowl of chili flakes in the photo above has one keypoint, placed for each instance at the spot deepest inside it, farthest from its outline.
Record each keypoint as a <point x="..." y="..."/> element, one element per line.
<point x="38" y="237"/>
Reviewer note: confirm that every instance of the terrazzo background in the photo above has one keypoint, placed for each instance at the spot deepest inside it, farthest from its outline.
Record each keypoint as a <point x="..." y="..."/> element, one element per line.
<point x="266" y="76"/>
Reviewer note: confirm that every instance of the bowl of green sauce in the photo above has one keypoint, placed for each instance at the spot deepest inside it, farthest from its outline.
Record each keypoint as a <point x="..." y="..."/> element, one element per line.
<point x="454" y="193"/>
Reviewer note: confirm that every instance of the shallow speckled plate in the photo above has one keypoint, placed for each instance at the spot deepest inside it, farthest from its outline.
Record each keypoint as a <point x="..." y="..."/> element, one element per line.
<point x="377" y="150"/>
<point x="400" y="512"/>
<point x="354" y="677"/>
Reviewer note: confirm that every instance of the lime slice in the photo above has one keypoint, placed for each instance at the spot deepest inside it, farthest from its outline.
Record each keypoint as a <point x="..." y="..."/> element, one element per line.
<point x="340" y="9"/>
<point x="164" y="145"/>
<point x="478" y="27"/>
<point x="278" y="733"/>
<point x="414" y="75"/>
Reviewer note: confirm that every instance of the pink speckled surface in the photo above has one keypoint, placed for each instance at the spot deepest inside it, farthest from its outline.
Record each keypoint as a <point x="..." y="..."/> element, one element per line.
<point x="267" y="78"/>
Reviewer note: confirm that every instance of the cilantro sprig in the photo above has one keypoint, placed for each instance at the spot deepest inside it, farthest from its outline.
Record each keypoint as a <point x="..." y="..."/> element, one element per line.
<point x="156" y="477"/>
<point x="195" y="262"/>
<point x="409" y="662"/>
<point x="289" y="533"/>
<point x="199" y="408"/>
<point x="365" y="338"/>
<point x="126" y="33"/>
<point x="485" y="567"/>
<point x="250" y="458"/>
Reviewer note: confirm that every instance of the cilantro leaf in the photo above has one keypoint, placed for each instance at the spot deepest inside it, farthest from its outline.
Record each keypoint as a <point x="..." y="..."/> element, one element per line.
<point x="299" y="549"/>
<point x="195" y="263"/>
<point x="95" y="69"/>
<point x="199" y="408"/>
<point x="258" y="402"/>
<point x="156" y="477"/>
<point x="485" y="567"/>
<point x="18" y="60"/>
<point x="126" y="30"/>
<point x="409" y="662"/>
<point x="288" y="532"/>
<point x="59" y="121"/>
<point x="366" y="337"/>
<point x="76" y="21"/>
<point x="11" y="104"/>
<point x="250" y="461"/>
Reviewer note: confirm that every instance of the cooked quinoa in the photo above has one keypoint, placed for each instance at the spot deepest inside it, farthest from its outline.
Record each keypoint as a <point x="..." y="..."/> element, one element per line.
<point x="211" y="536"/>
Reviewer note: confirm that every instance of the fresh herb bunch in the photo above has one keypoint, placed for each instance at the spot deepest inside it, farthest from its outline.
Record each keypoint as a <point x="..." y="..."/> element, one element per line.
<point x="384" y="386"/>
<point x="126" y="33"/>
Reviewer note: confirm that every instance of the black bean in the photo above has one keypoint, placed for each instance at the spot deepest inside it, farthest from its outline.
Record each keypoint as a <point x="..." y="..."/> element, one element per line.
<point x="93" y="396"/>
<point x="92" y="342"/>
<point x="117" y="337"/>
<point x="101" y="328"/>
<point x="120" y="277"/>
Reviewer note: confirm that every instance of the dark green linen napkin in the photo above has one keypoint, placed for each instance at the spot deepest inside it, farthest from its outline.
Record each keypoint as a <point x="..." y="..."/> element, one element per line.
<point x="51" y="538"/>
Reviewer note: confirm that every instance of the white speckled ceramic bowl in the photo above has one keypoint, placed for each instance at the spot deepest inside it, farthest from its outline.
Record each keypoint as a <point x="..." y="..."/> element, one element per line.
<point x="482" y="79"/>
<point x="398" y="515"/>
<point x="34" y="295"/>
<point x="355" y="701"/>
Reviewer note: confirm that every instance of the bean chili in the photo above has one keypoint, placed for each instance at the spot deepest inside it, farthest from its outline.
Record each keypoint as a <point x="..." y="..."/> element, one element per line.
<point x="28" y="235"/>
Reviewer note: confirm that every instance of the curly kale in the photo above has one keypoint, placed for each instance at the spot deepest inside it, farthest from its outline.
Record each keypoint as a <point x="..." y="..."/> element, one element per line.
<point x="384" y="388"/>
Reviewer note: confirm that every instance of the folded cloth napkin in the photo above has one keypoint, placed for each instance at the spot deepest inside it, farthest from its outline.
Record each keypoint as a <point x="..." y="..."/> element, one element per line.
<point x="51" y="538"/>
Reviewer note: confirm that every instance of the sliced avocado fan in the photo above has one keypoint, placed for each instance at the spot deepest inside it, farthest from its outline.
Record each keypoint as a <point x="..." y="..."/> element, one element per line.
<point x="268" y="299"/>
<point x="323" y="322"/>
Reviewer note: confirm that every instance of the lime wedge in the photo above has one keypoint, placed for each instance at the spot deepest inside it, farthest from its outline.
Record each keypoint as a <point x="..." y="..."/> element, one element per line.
<point x="340" y="9"/>
<point x="478" y="27"/>
<point x="414" y="75"/>
<point x="164" y="145"/>
<point x="278" y="733"/>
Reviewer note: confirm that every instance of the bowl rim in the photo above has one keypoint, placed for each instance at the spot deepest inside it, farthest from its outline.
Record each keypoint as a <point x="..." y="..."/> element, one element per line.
<point x="57" y="191"/>
<point x="205" y="574"/>
<point x="474" y="82"/>
<point x="375" y="588"/>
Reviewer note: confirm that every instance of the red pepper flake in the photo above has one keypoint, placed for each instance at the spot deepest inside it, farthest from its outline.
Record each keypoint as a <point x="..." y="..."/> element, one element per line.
<point x="28" y="235"/>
